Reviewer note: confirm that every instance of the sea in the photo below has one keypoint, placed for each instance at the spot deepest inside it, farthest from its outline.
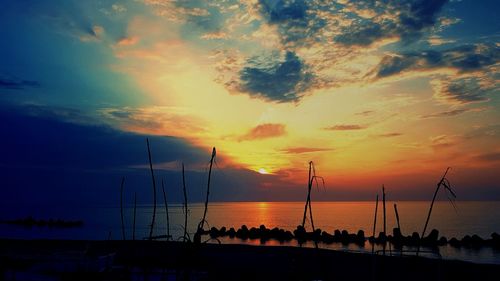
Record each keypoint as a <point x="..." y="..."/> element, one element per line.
<point x="104" y="222"/>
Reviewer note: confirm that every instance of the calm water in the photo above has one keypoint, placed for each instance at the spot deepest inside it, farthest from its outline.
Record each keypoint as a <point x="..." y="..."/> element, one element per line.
<point x="481" y="218"/>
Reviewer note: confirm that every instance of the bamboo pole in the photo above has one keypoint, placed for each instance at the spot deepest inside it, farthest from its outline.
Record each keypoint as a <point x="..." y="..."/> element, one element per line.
<point x="121" y="208"/>
<point x="208" y="190"/>
<point x="375" y="224"/>
<point x="385" y="221"/>
<point x="185" y="203"/>
<point x="432" y="205"/>
<point x="383" y="202"/>
<point x="154" y="191"/>
<point x="166" y="208"/>
<point x="397" y="215"/>
<point x="309" y="184"/>
<point x="135" y="213"/>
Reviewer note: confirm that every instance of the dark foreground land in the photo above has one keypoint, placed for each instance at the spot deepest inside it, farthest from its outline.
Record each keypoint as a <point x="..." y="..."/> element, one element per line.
<point x="156" y="260"/>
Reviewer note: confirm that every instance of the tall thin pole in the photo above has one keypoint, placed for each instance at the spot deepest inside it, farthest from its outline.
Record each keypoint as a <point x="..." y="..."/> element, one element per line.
<point x="432" y="205"/>
<point x="121" y="208"/>
<point x="375" y="223"/>
<point x="135" y="213"/>
<point x="308" y="195"/>
<point x="385" y="222"/>
<point x="397" y="215"/>
<point x="208" y="188"/>
<point x="383" y="200"/>
<point x="166" y="209"/>
<point x="185" y="203"/>
<point x="154" y="192"/>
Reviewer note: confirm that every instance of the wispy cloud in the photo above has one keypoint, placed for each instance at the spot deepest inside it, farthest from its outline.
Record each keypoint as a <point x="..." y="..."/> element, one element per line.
<point x="462" y="91"/>
<point x="17" y="84"/>
<point x="489" y="157"/>
<point x="264" y="131"/>
<point x="443" y="141"/>
<point x="128" y="41"/>
<point x="453" y="112"/>
<point x="300" y="150"/>
<point x="345" y="127"/>
<point x="365" y="113"/>
<point x="466" y="58"/>
<point x="403" y="20"/>
<point x="389" y="135"/>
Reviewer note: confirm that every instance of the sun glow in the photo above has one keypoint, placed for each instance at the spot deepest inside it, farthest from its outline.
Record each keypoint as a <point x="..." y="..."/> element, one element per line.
<point x="263" y="171"/>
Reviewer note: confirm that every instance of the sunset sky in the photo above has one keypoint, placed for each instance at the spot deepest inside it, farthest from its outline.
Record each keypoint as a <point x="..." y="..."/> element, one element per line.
<point x="374" y="92"/>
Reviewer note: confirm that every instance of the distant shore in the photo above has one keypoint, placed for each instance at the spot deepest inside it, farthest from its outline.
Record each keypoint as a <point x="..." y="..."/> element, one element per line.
<point x="127" y="260"/>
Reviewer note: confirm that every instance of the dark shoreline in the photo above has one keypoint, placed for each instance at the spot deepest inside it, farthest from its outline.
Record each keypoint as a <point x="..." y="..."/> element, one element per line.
<point x="126" y="260"/>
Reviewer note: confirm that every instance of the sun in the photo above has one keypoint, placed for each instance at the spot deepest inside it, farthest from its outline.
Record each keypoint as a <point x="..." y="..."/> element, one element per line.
<point x="263" y="171"/>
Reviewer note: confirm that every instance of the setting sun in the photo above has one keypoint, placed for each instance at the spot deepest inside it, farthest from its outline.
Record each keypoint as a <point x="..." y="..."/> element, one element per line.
<point x="263" y="171"/>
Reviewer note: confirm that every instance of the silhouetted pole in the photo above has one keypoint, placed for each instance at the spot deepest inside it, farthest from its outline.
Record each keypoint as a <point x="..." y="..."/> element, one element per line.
<point x="432" y="205"/>
<point x="166" y="209"/>
<point x="185" y="203"/>
<point x="375" y="224"/>
<point x="383" y="200"/>
<point x="121" y="208"/>
<point x="397" y="215"/>
<point x="208" y="188"/>
<point x="385" y="222"/>
<point x="154" y="191"/>
<point x="135" y="213"/>
<point x="309" y="185"/>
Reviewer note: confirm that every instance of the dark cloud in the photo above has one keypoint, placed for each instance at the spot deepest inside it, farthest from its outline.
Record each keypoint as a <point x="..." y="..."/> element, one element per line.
<point x="345" y="127"/>
<point x="464" y="59"/>
<point x="414" y="18"/>
<point x="448" y="113"/>
<point x="48" y="162"/>
<point x="281" y="11"/>
<point x="297" y="20"/>
<point x="276" y="79"/>
<point x="466" y="90"/>
<point x="363" y="35"/>
<point x="299" y="150"/>
<point x="15" y="84"/>
<point x="41" y="139"/>
<point x="265" y="131"/>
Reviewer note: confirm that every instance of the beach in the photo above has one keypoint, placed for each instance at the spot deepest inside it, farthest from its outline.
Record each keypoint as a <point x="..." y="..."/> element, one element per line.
<point x="156" y="260"/>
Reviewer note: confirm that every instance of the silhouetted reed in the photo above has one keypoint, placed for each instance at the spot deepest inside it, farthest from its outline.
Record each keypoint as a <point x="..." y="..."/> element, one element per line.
<point x="374" y="224"/>
<point x="166" y="209"/>
<point x="201" y="224"/>
<point x="185" y="237"/>
<point x="397" y="215"/>
<point x="135" y="213"/>
<point x="154" y="191"/>
<point x="121" y="208"/>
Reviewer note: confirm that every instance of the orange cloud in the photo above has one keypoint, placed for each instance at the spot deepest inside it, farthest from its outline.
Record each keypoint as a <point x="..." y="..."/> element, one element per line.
<point x="265" y="131"/>
<point x="128" y="41"/>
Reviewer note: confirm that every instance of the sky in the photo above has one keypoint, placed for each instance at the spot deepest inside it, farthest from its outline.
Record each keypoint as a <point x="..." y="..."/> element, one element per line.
<point x="373" y="92"/>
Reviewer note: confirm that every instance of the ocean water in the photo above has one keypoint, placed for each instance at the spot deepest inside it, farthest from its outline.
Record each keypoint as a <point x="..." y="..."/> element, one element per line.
<point x="103" y="222"/>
